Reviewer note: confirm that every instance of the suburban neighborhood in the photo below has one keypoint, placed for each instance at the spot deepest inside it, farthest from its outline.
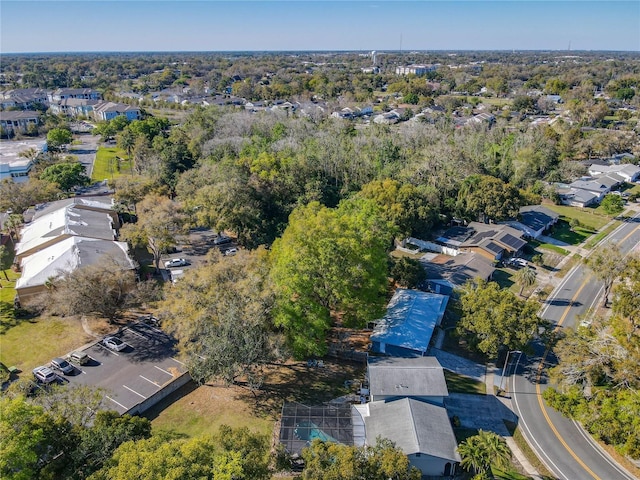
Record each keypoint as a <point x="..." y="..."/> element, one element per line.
<point x="417" y="264"/>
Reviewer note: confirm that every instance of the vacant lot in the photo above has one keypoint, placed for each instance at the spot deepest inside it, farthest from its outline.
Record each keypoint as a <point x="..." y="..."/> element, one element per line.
<point x="587" y="217"/>
<point x="107" y="165"/>
<point x="200" y="410"/>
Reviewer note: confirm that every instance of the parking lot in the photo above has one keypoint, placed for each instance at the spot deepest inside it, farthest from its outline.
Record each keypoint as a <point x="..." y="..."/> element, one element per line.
<point x="130" y="377"/>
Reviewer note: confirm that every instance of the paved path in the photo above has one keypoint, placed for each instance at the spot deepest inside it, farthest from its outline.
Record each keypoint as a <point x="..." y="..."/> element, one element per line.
<point x="460" y="365"/>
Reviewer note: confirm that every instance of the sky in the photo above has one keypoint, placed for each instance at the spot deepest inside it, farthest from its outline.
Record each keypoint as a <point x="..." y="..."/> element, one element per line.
<point x="210" y="25"/>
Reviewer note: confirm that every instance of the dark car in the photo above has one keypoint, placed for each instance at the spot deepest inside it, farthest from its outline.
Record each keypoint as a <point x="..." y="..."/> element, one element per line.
<point x="61" y="365"/>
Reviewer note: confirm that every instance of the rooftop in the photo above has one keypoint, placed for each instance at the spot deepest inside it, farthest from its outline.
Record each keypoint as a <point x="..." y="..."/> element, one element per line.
<point x="406" y="377"/>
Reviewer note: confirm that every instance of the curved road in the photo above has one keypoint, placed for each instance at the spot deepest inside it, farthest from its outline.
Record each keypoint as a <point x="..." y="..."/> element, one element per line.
<point x="567" y="450"/>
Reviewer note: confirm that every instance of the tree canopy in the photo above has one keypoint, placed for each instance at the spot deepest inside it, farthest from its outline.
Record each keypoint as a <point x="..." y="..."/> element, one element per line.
<point x="329" y="262"/>
<point x="495" y="318"/>
<point x="66" y="175"/>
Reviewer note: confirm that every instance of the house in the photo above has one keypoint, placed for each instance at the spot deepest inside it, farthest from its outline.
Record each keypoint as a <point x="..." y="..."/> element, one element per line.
<point x="492" y="241"/>
<point x="421" y="430"/>
<point x="18" y="121"/>
<point x="62" y="223"/>
<point x="409" y="323"/>
<point x="387" y="118"/>
<point x="105" y="111"/>
<point x="23" y="98"/>
<point x="62" y="93"/>
<point x="576" y="197"/>
<point x="446" y="273"/>
<point x="64" y="257"/>
<point x="534" y="220"/>
<point x="483" y="118"/>
<point x="595" y="186"/>
<point x="421" y="378"/>
<point x="627" y="171"/>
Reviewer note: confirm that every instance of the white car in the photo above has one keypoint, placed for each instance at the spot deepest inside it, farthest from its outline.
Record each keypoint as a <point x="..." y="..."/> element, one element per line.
<point x="231" y="251"/>
<point x="44" y="374"/>
<point x="114" y="343"/>
<point x="176" y="262"/>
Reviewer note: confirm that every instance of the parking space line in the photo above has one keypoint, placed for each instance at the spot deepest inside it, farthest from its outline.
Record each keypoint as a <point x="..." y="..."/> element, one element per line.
<point x="163" y="370"/>
<point x="177" y="361"/>
<point x="111" y="351"/>
<point x="150" y="381"/>
<point x="117" y="403"/>
<point x="133" y="391"/>
<point x="135" y="333"/>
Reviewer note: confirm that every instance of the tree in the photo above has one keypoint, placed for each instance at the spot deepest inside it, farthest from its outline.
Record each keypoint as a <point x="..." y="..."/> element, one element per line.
<point x="6" y="258"/>
<point x="126" y="140"/>
<point x="612" y="204"/>
<point x="606" y="263"/>
<point x="525" y="277"/>
<point x="30" y="438"/>
<point x="220" y="314"/>
<point x="494" y="318"/>
<point x="18" y="197"/>
<point x="106" y="288"/>
<point x="66" y="175"/>
<point x="483" y="198"/>
<point x="329" y="262"/>
<point x="333" y="461"/>
<point x="57" y="138"/>
<point x="233" y="454"/>
<point x="159" y="221"/>
<point x="408" y="272"/>
<point x="480" y="452"/>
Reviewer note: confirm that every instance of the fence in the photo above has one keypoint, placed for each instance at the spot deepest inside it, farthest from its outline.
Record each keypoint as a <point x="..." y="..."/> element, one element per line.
<point x="431" y="247"/>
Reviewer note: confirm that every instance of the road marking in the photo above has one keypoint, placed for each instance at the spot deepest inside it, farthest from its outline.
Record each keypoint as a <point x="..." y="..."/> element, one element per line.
<point x="117" y="403"/>
<point x="133" y="391"/>
<point x="539" y="390"/>
<point x="135" y="333"/>
<point x="177" y="361"/>
<point x="111" y="351"/>
<point x="150" y="381"/>
<point x="163" y="370"/>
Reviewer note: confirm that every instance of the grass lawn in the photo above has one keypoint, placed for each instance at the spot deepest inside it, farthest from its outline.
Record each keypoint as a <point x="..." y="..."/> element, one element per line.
<point x="601" y="234"/>
<point x="566" y="268"/>
<point x="106" y="167"/>
<point x="548" y="246"/>
<point x="588" y="217"/>
<point x="399" y="254"/>
<point x="7" y="294"/>
<point x="457" y="383"/>
<point x="195" y="411"/>
<point x="563" y="232"/>
<point x="527" y="451"/>
<point x="34" y="342"/>
<point x="504" y="277"/>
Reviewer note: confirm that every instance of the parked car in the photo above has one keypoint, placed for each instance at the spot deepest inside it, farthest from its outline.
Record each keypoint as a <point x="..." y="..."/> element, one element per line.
<point x="61" y="365"/>
<point x="80" y="358"/>
<point x="221" y="240"/>
<point x="231" y="251"/>
<point x="44" y="374"/>
<point x="114" y="343"/>
<point x="176" y="262"/>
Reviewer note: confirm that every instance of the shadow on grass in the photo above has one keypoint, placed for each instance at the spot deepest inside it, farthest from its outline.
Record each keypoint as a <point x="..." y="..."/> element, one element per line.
<point x="563" y="232"/>
<point x="10" y="318"/>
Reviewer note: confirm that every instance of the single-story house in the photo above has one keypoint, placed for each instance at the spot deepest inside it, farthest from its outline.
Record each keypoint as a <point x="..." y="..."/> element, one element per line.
<point x="391" y="378"/>
<point x="628" y="171"/>
<point x="63" y="257"/>
<point x="595" y="186"/>
<point x="421" y="430"/>
<point x="493" y="241"/>
<point x="445" y="273"/>
<point x="387" y="118"/>
<point x="576" y="197"/>
<point x="534" y="220"/>
<point x="409" y="323"/>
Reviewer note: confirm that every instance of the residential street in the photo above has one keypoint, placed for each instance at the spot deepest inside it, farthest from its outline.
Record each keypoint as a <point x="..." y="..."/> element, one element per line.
<point x="562" y="444"/>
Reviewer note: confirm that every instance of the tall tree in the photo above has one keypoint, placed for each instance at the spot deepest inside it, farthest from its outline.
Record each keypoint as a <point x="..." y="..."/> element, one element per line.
<point x="220" y="314"/>
<point x="606" y="263"/>
<point x="159" y="221"/>
<point x="494" y="318"/>
<point x="6" y="258"/>
<point x="66" y="175"/>
<point x="18" y="197"/>
<point x="484" y="198"/>
<point x="58" y="137"/>
<point x="329" y="262"/>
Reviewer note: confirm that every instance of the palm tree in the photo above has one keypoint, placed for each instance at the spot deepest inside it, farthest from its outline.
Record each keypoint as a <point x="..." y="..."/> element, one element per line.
<point x="480" y="452"/>
<point x="525" y="277"/>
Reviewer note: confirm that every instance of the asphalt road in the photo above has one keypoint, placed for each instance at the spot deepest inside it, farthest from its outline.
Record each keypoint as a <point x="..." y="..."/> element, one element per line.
<point x="86" y="151"/>
<point x="561" y="443"/>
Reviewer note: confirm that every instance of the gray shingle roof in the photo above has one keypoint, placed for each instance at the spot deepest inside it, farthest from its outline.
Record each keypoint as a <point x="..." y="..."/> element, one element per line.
<point x="407" y="377"/>
<point x="414" y="426"/>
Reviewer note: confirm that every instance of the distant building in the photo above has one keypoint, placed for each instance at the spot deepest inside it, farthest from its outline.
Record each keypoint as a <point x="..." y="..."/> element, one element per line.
<point x="105" y="111"/>
<point x="63" y="93"/>
<point x="18" y="121"/>
<point x="416" y="69"/>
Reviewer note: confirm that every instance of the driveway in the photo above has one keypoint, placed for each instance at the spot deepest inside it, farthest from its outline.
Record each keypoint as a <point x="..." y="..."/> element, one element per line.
<point x="86" y="150"/>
